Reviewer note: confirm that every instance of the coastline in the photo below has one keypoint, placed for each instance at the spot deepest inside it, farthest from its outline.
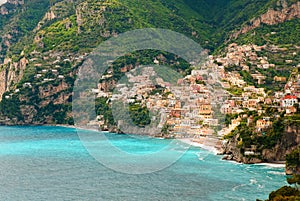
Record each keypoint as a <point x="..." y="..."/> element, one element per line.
<point x="210" y="144"/>
<point x="274" y="165"/>
<point x="213" y="145"/>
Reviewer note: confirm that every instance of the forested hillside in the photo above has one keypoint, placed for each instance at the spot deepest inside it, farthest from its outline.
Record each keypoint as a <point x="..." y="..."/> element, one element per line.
<point x="44" y="42"/>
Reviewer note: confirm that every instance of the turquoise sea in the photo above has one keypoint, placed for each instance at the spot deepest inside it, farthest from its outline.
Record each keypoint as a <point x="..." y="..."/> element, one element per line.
<point x="50" y="163"/>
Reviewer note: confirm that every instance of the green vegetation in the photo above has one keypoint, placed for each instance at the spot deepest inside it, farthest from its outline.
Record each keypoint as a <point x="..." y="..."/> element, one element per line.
<point x="21" y="22"/>
<point x="11" y="9"/>
<point x="230" y="117"/>
<point x="293" y="160"/>
<point x="80" y="26"/>
<point x="102" y="108"/>
<point x="235" y="91"/>
<point x="139" y="114"/>
<point x="249" y="136"/>
<point x="62" y="36"/>
<point x="295" y="179"/>
<point x="285" y="193"/>
<point x="280" y="34"/>
<point x="247" y="77"/>
<point x="10" y="107"/>
<point x="208" y="22"/>
<point x="146" y="57"/>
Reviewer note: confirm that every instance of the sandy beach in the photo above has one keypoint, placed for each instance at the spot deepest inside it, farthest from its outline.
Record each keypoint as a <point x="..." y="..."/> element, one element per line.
<point x="207" y="143"/>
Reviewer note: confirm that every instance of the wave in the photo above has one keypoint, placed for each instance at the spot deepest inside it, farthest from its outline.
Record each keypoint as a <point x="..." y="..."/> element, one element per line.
<point x="273" y="165"/>
<point x="238" y="186"/>
<point x="260" y="186"/>
<point x="234" y="198"/>
<point x="276" y="173"/>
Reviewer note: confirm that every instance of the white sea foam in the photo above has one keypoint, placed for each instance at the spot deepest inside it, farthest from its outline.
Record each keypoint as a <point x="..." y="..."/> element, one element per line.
<point x="260" y="186"/>
<point x="232" y="161"/>
<point x="276" y="173"/>
<point x="253" y="181"/>
<point x="238" y="186"/>
<point x="273" y="165"/>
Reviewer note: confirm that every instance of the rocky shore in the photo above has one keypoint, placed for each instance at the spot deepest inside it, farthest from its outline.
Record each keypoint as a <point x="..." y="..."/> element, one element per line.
<point x="216" y="146"/>
<point x="289" y="141"/>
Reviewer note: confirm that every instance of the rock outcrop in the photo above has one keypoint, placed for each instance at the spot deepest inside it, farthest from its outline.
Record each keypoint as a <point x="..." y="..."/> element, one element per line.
<point x="289" y="141"/>
<point x="12" y="72"/>
<point x="272" y="17"/>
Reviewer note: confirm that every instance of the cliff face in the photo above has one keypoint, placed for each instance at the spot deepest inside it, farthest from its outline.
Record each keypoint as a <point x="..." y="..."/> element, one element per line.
<point x="12" y="72"/>
<point x="233" y="152"/>
<point x="272" y="17"/>
<point x="290" y="170"/>
<point x="288" y="142"/>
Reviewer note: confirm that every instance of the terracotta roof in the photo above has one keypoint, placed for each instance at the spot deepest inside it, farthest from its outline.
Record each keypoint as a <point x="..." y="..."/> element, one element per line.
<point x="290" y="97"/>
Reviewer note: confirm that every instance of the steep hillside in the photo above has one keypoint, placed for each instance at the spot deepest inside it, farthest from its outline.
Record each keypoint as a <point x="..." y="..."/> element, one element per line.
<point x="18" y="19"/>
<point x="255" y="46"/>
<point x="43" y="43"/>
<point x="271" y="146"/>
<point x="60" y="42"/>
<point x="273" y="64"/>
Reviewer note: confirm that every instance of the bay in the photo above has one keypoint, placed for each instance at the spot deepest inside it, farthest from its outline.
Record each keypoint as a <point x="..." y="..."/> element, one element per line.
<point x="51" y="163"/>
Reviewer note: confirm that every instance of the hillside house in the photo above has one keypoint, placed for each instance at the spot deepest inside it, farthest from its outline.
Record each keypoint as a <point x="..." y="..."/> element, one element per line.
<point x="263" y="124"/>
<point x="226" y="109"/>
<point x="289" y="101"/>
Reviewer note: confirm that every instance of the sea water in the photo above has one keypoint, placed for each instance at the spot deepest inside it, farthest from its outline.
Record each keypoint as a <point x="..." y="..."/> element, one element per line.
<point x="51" y="163"/>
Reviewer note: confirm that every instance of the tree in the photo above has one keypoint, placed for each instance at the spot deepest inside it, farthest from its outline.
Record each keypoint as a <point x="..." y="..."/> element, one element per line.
<point x="165" y="129"/>
<point x="294" y="180"/>
<point x="293" y="160"/>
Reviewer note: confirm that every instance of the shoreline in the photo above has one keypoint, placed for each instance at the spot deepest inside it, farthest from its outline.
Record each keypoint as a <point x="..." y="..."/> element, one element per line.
<point x="273" y="165"/>
<point x="210" y="144"/>
<point x="207" y="143"/>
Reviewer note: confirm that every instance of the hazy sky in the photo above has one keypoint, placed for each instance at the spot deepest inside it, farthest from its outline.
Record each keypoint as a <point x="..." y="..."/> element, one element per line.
<point x="2" y="1"/>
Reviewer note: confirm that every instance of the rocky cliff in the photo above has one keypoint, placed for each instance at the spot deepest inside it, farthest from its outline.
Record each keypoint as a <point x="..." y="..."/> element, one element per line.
<point x="271" y="17"/>
<point x="289" y="141"/>
<point x="11" y="73"/>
